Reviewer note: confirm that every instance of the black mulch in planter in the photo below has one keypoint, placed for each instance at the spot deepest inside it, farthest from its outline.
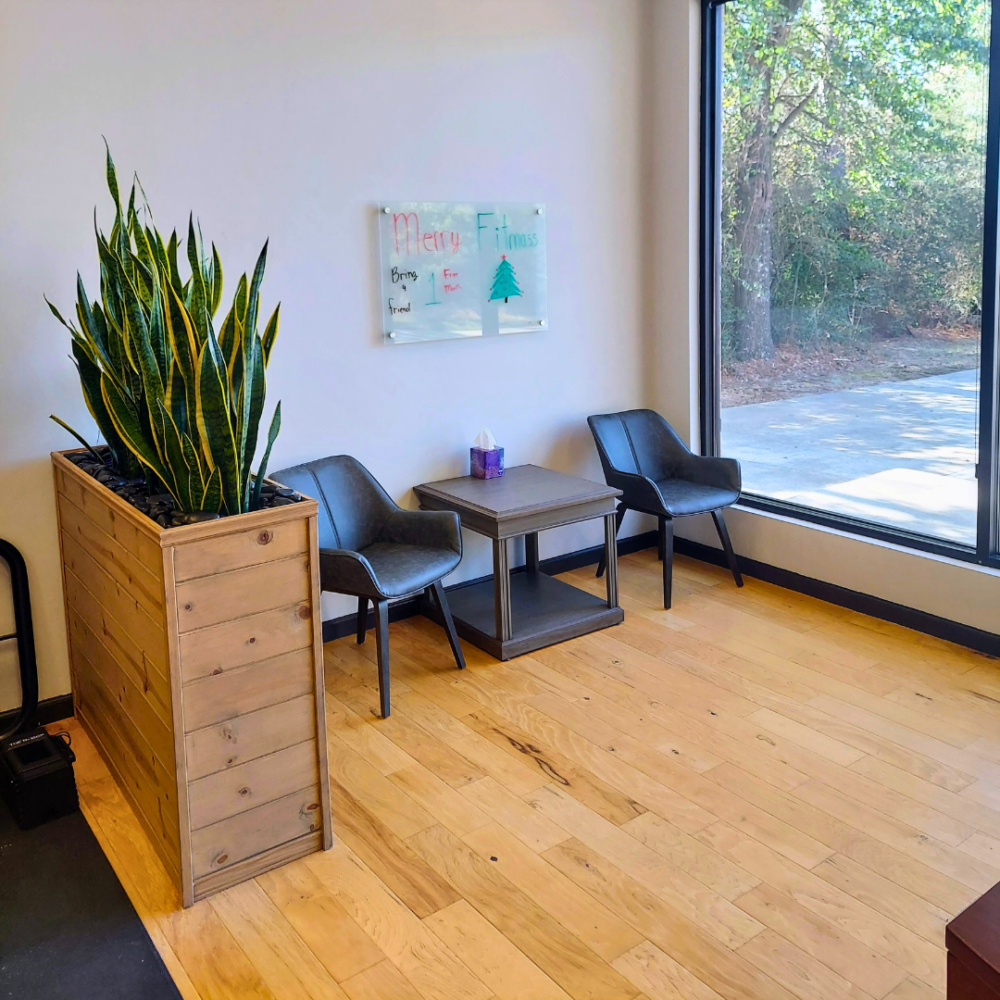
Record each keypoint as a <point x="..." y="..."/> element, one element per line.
<point x="159" y="507"/>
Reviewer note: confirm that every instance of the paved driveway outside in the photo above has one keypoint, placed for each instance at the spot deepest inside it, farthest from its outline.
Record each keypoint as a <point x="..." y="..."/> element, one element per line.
<point x="900" y="453"/>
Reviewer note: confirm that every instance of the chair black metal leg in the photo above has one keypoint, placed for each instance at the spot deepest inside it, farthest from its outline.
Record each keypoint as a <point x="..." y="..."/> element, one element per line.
<point x="667" y="538"/>
<point x="619" y="517"/>
<point x="382" y="647"/>
<point x="449" y="625"/>
<point x="727" y="546"/>
<point x="660" y="545"/>
<point x="362" y="618"/>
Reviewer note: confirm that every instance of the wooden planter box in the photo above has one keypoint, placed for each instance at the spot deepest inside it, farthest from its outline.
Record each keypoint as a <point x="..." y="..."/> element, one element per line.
<point x="197" y="661"/>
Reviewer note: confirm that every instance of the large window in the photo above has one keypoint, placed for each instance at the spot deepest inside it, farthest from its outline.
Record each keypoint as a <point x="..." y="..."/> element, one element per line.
<point x="849" y="354"/>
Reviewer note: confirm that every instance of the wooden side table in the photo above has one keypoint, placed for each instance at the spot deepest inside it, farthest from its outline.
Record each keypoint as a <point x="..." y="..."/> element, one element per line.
<point x="973" y="943"/>
<point x="512" y="614"/>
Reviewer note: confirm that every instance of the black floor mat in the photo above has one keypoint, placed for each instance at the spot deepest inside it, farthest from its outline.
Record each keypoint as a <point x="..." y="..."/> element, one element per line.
<point x="67" y="928"/>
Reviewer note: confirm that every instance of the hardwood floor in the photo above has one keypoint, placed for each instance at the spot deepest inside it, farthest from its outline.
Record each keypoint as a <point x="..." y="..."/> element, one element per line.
<point x="754" y="795"/>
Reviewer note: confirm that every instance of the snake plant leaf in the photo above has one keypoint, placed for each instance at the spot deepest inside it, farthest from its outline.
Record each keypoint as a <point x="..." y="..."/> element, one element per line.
<point x="129" y="428"/>
<point x="270" y="334"/>
<point x="212" y="497"/>
<point x="215" y="428"/>
<point x="175" y="461"/>
<point x="272" y="434"/>
<point x="227" y="338"/>
<point x="58" y="315"/>
<point x="175" y="274"/>
<point x="216" y="280"/>
<point x="157" y="333"/>
<point x="111" y="175"/>
<point x="90" y="381"/>
<point x="240" y="301"/>
<point x="199" y="475"/>
<point x="184" y="350"/>
<point x="254" y="389"/>
<point x="253" y="299"/>
<point x="199" y="296"/>
<point x="94" y="333"/>
<point x="79" y="437"/>
<point x="174" y="398"/>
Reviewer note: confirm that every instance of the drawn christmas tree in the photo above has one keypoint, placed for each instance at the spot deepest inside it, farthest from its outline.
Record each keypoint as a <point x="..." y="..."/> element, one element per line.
<point x="504" y="282"/>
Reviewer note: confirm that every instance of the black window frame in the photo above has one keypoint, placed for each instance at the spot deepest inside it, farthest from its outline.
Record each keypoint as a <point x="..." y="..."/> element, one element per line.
<point x="986" y="552"/>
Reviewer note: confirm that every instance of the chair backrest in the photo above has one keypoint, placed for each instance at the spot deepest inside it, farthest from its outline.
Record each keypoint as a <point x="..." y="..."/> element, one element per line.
<point x="637" y="441"/>
<point x="353" y="507"/>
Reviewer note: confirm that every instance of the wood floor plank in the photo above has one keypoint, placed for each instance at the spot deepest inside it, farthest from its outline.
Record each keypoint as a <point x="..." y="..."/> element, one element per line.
<point x="514" y="814"/>
<point x="603" y="798"/>
<point x="887" y="897"/>
<point x="440" y="799"/>
<point x="505" y="969"/>
<point x="821" y="940"/>
<point x="691" y="855"/>
<point x="381" y="982"/>
<point x="363" y="738"/>
<point x="843" y="838"/>
<point x="956" y="806"/>
<point x="329" y="931"/>
<point x="873" y="928"/>
<point x="673" y="885"/>
<point x="389" y="856"/>
<point x="418" y="954"/>
<point x="557" y="952"/>
<point x="797" y="970"/>
<point x="699" y="952"/>
<point x="274" y="948"/>
<point x="376" y="792"/>
<point x="660" y="977"/>
<point x="594" y="924"/>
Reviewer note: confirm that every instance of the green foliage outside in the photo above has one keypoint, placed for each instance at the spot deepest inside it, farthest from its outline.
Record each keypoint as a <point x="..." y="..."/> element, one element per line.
<point x="175" y="401"/>
<point x="852" y="180"/>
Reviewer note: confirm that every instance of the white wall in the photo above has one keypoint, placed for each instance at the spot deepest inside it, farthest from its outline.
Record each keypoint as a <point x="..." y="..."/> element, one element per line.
<point x="290" y="121"/>
<point x="945" y="587"/>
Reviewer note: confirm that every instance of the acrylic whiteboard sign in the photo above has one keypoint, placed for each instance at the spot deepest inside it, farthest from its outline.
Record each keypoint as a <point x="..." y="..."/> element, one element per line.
<point x="461" y="270"/>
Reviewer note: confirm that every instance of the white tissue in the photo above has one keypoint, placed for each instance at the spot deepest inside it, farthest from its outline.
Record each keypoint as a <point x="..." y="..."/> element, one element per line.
<point x="485" y="440"/>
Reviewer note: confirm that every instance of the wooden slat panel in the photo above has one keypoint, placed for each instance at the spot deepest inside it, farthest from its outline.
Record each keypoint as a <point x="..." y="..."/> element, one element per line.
<point x="247" y="737"/>
<point x="211" y="700"/>
<point x="219" y="648"/>
<point x="127" y="608"/>
<point x="228" y="793"/>
<point x="210" y="600"/>
<point x="291" y="850"/>
<point x="119" y="644"/>
<point x="145" y="582"/>
<point x="239" y="550"/>
<point x="127" y="697"/>
<point x="151" y="788"/>
<point x="240" y="837"/>
<point x="136" y="532"/>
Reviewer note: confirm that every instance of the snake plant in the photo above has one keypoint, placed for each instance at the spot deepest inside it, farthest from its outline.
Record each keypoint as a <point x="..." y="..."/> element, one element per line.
<point x="173" y="398"/>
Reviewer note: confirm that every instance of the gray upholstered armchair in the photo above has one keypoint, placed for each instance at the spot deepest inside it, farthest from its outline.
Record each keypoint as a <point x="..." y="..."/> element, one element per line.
<point x="657" y="474"/>
<point x="376" y="551"/>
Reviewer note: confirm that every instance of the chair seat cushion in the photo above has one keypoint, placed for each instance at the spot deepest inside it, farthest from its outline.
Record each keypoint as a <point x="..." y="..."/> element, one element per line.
<point x="401" y="570"/>
<point x="681" y="497"/>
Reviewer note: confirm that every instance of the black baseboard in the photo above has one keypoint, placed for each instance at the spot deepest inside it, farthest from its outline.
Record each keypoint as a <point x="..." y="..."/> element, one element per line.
<point x="337" y="628"/>
<point x="866" y="604"/>
<point x="49" y="710"/>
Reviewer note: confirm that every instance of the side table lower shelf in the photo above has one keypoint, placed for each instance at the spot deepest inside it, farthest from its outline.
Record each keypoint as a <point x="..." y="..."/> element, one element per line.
<point x="543" y="611"/>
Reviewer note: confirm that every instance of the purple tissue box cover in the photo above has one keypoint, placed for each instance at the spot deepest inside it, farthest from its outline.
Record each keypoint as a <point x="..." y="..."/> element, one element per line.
<point x="487" y="463"/>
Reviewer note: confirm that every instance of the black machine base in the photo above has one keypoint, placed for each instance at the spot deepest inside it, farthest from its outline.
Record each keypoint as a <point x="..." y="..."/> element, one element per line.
<point x="36" y="777"/>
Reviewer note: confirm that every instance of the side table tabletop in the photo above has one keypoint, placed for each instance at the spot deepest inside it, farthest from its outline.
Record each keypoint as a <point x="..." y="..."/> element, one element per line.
<point x="512" y="614"/>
